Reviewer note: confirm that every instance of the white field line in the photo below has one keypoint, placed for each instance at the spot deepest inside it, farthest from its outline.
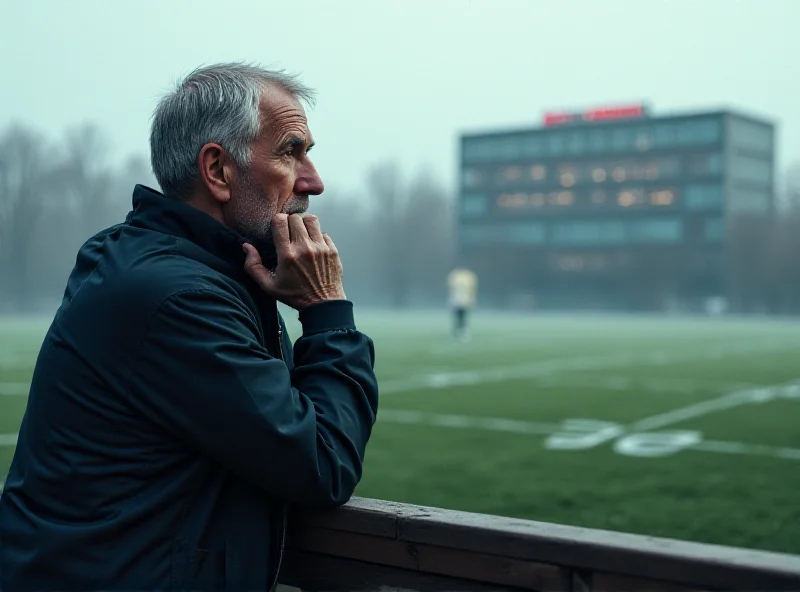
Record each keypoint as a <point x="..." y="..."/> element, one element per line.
<point x="756" y="395"/>
<point x="8" y="439"/>
<point x="497" y="424"/>
<point x="556" y="365"/>
<point x="14" y="389"/>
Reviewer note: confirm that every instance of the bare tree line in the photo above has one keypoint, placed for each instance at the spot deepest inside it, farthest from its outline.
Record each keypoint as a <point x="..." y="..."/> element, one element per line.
<point x="54" y="195"/>
<point x="397" y="245"/>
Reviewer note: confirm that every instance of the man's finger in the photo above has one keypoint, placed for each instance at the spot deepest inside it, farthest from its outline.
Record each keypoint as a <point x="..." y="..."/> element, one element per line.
<point x="329" y="242"/>
<point x="280" y="232"/>
<point x="298" y="229"/>
<point x="312" y="226"/>
<point x="254" y="267"/>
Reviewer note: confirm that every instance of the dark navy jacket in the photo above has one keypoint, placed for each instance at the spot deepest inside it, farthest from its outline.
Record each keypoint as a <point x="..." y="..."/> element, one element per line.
<point x="170" y="421"/>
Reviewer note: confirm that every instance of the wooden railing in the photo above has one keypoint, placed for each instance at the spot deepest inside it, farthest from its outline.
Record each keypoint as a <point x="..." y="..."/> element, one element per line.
<point x="370" y="545"/>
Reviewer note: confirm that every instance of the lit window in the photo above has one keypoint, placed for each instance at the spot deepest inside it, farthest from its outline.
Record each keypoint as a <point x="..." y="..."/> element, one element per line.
<point x="512" y="200"/>
<point x="599" y="175"/>
<point x="567" y="179"/>
<point x="629" y="197"/>
<point x="560" y="198"/>
<point x="538" y="172"/>
<point x="512" y="173"/>
<point x="565" y="198"/>
<point x="618" y="174"/>
<point x="664" y="197"/>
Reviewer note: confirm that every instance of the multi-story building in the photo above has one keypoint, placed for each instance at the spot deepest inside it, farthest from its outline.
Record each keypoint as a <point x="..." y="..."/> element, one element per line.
<point x="611" y="208"/>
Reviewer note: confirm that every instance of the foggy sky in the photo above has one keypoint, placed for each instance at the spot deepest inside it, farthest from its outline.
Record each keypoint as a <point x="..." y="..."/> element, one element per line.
<point x="401" y="79"/>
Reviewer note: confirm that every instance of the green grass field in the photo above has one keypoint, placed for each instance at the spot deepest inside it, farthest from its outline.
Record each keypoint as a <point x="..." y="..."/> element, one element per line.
<point x="684" y="428"/>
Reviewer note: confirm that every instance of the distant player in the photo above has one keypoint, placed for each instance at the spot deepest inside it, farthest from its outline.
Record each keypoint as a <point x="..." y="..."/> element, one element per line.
<point x="463" y="285"/>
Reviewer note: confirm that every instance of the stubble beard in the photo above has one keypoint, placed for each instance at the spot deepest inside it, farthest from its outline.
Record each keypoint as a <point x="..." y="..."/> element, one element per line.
<point x="251" y="215"/>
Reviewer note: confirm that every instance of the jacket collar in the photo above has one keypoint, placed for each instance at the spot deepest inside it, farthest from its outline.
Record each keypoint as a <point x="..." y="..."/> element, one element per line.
<point x="154" y="211"/>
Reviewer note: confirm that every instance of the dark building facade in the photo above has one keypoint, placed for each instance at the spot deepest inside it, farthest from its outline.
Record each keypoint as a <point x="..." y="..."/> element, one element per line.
<point x="611" y="209"/>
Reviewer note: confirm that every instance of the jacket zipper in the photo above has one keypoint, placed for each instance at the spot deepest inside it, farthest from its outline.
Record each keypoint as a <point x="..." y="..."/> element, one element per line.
<point x="284" y="509"/>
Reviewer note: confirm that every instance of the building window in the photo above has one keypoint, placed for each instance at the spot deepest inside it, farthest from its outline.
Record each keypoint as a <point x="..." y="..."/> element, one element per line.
<point x="714" y="230"/>
<point x="623" y="139"/>
<point x="537" y="199"/>
<point x="705" y="164"/>
<point x="599" y="140"/>
<point x="510" y="174"/>
<point x="512" y="200"/>
<point x="576" y="143"/>
<point x="668" y="167"/>
<point x="599" y="174"/>
<point x="598" y="197"/>
<point x="662" y="197"/>
<point x="532" y="146"/>
<point x="567" y="176"/>
<point x="619" y="174"/>
<point x="473" y="205"/>
<point x="630" y="197"/>
<point x="472" y="178"/>
<point x="589" y="233"/>
<point x="655" y="231"/>
<point x="696" y="132"/>
<point x="557" y="144"/>
<point x="561" y="198"/>
<point x="644" y="140"/>
<point x="526" y="233"/>
<point x="538" y="172"/>
<point x="703" y="197"/>
<point x="665" y="135"/>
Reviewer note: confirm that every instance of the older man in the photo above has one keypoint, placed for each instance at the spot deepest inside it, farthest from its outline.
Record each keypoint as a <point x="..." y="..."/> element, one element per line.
<point x="170" y="421"/>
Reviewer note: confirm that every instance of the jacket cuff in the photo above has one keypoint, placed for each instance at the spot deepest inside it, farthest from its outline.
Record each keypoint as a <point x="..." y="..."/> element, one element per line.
<point x="327" y="316"/>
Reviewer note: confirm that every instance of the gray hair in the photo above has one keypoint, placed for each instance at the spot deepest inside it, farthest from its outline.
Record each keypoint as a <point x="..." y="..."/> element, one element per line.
<point x="217" y="103"/>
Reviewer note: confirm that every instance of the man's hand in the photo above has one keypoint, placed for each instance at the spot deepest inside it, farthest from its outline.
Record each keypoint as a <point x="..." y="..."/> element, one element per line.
<point x="309" y="270"/>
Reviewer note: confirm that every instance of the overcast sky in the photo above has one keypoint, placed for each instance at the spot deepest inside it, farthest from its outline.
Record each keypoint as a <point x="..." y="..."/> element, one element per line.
<point x="401" y="79"/>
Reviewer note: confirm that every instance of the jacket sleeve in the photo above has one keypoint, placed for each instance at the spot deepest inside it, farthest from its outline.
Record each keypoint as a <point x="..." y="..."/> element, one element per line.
<point x="202" y="374"/>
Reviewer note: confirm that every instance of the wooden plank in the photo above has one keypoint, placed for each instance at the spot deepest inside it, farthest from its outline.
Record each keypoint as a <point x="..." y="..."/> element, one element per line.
<point x="604" y="582"/>
<point x="455" y="563"/>
<point x="684" y="564"/>
<point x="634" y="555"/>
<point x="367" y="517"/>
<point x="312" y="572"/>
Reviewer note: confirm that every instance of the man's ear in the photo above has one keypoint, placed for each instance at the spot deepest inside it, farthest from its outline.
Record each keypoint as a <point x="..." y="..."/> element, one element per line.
<point x="215" y="172"/>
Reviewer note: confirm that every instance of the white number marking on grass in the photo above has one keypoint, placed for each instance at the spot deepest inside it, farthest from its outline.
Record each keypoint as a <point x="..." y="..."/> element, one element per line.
<point x="651" y="444"/>
<point x="580" y="434"/>
<point x="654" y="444"/>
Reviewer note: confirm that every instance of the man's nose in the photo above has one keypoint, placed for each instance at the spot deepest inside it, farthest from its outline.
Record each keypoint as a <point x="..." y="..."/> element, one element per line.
<point x="308" y="180"/>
